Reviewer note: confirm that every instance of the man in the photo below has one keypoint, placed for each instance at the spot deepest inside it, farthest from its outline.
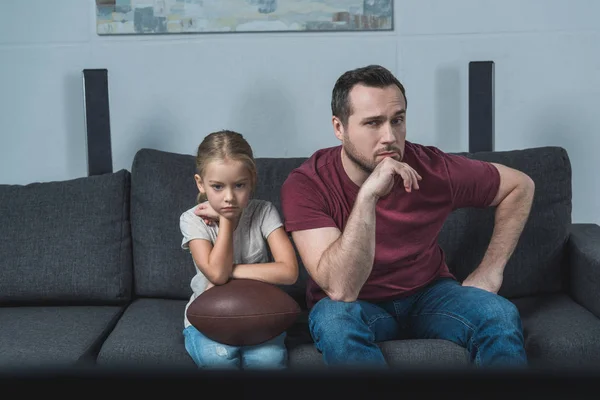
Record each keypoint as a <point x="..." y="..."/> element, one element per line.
<point x="365" y="217"/>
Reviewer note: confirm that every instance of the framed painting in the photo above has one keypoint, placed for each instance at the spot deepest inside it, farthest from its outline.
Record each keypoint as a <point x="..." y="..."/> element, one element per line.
<point x="139" y="17"/>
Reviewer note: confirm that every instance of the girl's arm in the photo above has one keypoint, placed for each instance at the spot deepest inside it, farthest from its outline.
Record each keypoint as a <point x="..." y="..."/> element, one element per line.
<point x="216" y="262"/>
<point x="283" y="271"/>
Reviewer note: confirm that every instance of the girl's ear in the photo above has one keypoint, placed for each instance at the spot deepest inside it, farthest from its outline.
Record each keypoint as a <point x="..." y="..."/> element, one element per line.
<point x="199" y="184"/>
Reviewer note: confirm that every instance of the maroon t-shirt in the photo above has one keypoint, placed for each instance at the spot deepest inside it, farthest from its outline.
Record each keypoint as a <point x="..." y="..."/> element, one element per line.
<point x="320" y="194"/>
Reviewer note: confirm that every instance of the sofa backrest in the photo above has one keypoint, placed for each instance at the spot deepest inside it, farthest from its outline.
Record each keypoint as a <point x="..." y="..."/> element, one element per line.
<point x="163" y="187"/>
<point x="66" y="242"/>
<point x="535" y="266"/>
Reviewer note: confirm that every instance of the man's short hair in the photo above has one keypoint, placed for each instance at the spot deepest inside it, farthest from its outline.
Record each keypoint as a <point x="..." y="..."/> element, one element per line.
<point x="371" y="75"/>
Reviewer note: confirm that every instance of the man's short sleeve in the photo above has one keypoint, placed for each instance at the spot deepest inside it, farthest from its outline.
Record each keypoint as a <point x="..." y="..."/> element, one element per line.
<point x="474" y="183"/>
<point x="271" y="219"/>
<point x="303" y="204"/>
<point x="192" y="227"/>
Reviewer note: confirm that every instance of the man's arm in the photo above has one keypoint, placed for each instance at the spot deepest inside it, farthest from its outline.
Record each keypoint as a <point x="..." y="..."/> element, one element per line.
<point x="340" y="263"/>
<point x="513" y="204"/>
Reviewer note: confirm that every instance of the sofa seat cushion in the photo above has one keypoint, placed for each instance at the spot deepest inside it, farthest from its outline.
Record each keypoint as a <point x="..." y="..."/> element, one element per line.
<point x="559" y="332"/>
<point x="53" y="336"/>
<point x="148" y="335"/>
<point x="411" y="353"/>
<point x="406" y="353"/>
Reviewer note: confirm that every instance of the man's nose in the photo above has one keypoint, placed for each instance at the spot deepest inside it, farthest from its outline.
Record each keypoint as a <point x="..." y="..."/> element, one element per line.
<point x="388" y="134"/>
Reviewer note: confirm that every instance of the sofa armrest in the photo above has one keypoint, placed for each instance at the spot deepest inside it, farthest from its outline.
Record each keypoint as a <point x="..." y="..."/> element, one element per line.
<point x="583" y="258"/>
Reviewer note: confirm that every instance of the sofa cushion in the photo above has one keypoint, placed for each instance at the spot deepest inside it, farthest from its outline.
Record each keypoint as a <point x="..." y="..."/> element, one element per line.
<point x="535" y="266"/>
<point x="148" y="335"/>
<point x="66" y="241"/>
<point x="49" y="337"/>
<point x="559" y="333"/>
<point x="407" y="353"/>
<point x="162" y="188"/>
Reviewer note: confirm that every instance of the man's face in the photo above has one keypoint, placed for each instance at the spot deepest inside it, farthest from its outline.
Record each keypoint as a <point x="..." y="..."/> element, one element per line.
<point x="376" y="128"/>
<point x="227" y="185"/>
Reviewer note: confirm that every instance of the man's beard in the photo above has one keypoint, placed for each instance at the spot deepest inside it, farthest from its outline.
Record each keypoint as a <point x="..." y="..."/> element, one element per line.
<point x="357" y="159"/>
<point x="364" y="164"/>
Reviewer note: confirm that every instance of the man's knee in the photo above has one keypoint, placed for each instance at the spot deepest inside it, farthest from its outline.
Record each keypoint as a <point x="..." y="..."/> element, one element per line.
<point x="331" y="307"/>
<point x="499" y="334"/>
<point x="327" y="310"/>
<point x="497" y="310"/>
<point x="330" y="316"/>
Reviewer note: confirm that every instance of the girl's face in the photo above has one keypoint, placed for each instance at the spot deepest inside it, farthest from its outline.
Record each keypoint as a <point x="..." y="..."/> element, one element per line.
<point x="227" y="185"/>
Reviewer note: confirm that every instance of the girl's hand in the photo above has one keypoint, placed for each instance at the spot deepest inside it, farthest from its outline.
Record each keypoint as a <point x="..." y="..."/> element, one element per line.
<point x="206" y="212"/>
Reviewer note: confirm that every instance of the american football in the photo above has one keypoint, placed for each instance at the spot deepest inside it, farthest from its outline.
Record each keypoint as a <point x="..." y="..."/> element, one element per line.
<point x="243" y="312"/>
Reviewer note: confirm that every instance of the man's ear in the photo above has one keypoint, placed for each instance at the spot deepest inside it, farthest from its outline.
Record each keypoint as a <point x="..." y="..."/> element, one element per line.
<point x="199" y="183"/>
<point x="338" y="128"/>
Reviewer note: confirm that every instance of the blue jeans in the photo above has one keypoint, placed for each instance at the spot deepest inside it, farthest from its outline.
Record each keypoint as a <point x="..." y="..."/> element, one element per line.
<point x="486" y="324"/>
<point x="207" y="353"/>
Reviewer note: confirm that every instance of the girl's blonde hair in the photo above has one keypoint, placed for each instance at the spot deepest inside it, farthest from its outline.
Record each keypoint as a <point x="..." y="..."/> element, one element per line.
<point x="224" y="145"/>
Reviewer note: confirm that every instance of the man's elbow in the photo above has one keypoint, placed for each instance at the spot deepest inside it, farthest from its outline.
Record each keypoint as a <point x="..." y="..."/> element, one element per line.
<point x="341" y="295"/>
<point x="527" y="187"/>
<point x="530" y="184"/>
<point x="336" y="291"/>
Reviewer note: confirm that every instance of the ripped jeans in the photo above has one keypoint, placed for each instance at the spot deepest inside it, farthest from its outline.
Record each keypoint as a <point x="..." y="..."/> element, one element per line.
<point x="209" y="354"/>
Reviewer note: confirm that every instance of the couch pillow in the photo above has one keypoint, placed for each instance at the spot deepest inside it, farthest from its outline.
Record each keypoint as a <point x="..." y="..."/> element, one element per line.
<point x="162" y="187"/>
<point x="535" y="266"/>
<point x="66" y="241"/>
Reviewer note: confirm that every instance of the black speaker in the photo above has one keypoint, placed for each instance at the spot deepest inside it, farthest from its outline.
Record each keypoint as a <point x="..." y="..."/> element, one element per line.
<point x="481" y="106"/>
<point x="97" y="121"/>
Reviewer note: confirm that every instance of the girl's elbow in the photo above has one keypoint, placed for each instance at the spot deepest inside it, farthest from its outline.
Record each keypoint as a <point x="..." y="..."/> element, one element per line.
<point x="292" y="278"/>
<point x="293" y="272"/>
<point x="220" y="281"/>
<point x="218" y="278"/>
<point x="288" y="274"/>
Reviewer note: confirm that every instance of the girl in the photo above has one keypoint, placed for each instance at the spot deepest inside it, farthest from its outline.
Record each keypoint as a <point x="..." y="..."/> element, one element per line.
<point x="227" y="236"/>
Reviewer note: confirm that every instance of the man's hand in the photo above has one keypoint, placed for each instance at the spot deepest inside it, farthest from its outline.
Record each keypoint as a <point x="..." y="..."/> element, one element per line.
<point x="381" y="180"/>
<point x="490" y="280"/>
<point x="206" y="212"/>
<point x="513" y="201"/>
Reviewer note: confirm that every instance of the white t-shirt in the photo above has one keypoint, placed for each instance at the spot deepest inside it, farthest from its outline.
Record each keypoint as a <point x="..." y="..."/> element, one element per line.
<point x="257" y="221"/>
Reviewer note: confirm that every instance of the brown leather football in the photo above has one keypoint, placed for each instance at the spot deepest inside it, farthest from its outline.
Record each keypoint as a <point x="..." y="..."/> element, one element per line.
<point x="243" y="312"/>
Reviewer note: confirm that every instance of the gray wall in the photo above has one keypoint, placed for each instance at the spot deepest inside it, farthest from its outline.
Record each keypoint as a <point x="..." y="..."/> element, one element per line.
<point x="167" y="92"/>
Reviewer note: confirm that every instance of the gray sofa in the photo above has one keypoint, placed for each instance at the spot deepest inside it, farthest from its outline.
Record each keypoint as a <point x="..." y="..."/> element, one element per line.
<point x="92" y="274"/>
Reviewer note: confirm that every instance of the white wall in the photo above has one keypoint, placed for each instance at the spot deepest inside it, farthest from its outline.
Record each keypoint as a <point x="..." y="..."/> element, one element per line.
<point x="167" y="92"/>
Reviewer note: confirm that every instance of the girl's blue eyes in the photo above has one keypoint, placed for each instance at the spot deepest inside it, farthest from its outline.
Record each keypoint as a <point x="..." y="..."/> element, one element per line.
<point x="237" y="186"/>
